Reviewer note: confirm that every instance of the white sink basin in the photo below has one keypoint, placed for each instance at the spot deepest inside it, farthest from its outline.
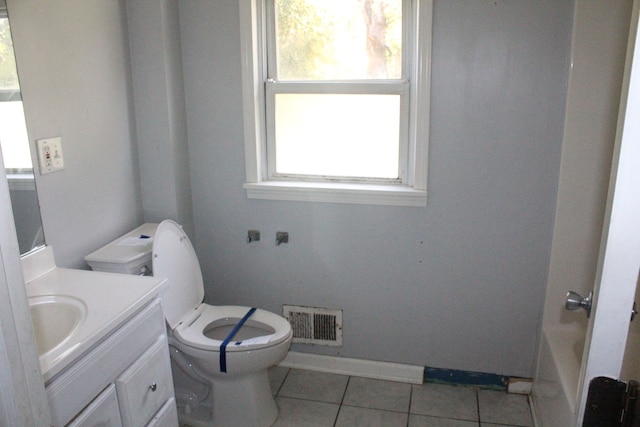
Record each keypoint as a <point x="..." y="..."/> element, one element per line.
<point x="72" y="310"/>
<point x="55" y="318"/>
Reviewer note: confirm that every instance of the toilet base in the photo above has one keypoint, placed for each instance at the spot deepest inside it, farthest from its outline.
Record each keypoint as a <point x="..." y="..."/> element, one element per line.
<point x="200" y="417"/>
<point x="243" y="400"/>
<point x="239" y="401"/>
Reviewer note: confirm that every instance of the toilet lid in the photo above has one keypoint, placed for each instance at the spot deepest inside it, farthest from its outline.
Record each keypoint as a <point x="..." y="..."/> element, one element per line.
<point x="174" y="258"/>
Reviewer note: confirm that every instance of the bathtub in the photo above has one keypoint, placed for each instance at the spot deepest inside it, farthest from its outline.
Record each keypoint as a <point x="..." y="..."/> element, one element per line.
<point x="555" y="388"/>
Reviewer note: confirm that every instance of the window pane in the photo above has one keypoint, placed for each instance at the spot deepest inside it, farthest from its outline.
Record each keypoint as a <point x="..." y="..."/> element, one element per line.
<point x="13" y="129"/>
<point x="8" y="73"/>
<point x="337" y="135"/>
<point x="339" y="39"/>
<point x="13" y="136"/>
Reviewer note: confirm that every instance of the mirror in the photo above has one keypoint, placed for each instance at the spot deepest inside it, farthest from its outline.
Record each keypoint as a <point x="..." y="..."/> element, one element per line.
<point x="15" y="146"/>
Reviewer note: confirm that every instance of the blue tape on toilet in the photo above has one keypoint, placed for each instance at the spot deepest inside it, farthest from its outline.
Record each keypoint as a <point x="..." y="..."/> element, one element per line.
<point x="223" y="346"/>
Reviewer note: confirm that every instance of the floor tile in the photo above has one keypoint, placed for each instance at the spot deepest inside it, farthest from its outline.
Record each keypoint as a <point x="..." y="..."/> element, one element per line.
<point x="444" y="401"/>
<point x="425" y="421"/>
<point x="307" y="413"/>
<point x="350" y="416"/>
<point x="314" y="386"/>
<point x="276" y="378"/>
<point x="313" y="399"/>
<point x="378" y="394"/>
<point x="503" y="408"/>
<point x="497" y="425"/>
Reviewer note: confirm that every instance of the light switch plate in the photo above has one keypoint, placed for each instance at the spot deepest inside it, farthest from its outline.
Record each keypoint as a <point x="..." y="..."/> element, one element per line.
<point x="50" y="155"/>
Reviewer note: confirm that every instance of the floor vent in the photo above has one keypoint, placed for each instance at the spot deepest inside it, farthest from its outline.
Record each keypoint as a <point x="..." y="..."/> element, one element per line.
<point x="313" y="325"/>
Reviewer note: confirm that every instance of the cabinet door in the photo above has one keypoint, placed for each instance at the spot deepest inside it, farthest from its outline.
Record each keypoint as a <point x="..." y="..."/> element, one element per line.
<point x="145" y="386"/>
<point x="167" y="416"/>
<point x="103" y="411"/>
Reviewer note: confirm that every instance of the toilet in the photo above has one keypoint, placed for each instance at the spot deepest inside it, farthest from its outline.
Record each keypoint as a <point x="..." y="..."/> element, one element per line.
<point x="219" y="354"/>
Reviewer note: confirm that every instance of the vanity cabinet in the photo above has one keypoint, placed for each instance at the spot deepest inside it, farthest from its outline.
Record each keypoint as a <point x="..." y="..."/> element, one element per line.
<point x="125" y="380"/>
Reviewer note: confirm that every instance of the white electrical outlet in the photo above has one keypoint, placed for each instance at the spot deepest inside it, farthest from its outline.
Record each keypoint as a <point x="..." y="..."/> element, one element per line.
<point x="50" y="155"/>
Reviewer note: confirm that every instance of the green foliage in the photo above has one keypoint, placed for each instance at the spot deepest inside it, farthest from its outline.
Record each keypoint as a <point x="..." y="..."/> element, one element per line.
<point x="8" y="73"/>
<point x="303" y="37"/>
<point x="393" y="40"/>
<point x="313" y="36"/>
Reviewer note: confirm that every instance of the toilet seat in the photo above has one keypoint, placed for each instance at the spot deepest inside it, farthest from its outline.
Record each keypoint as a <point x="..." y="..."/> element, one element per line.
<point x="276" y="329"/>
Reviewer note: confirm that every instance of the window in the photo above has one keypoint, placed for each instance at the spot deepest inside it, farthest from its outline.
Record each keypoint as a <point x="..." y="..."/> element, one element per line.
<point x="336" y="99"/>
<point x="13" y="131"/>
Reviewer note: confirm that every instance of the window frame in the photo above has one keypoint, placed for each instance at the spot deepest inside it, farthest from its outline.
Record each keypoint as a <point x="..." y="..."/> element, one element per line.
<point x="409" y="190"/>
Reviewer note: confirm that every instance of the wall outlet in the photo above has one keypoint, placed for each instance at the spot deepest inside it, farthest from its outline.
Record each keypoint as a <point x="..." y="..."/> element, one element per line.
<point x="50" y="155"/>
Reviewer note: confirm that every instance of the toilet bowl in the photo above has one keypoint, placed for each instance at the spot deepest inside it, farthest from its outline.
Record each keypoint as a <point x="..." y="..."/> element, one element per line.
<point x="220" y="354"/>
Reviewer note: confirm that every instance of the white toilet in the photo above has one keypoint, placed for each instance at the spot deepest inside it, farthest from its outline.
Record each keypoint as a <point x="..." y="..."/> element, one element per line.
<point x="219" y="380"/>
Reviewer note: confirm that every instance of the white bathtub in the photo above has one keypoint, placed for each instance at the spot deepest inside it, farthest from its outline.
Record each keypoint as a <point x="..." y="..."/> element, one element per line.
<point x="555" y="387"/>
<point x="631" y="365"/>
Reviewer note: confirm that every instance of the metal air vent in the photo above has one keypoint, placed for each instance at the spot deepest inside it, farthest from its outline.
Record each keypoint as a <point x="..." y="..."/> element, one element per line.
<point x="314" y="325"/>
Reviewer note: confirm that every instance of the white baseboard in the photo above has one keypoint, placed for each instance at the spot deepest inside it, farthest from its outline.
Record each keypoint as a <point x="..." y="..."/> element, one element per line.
<point x="519" y="385"/>
<point x="355" y="367"/>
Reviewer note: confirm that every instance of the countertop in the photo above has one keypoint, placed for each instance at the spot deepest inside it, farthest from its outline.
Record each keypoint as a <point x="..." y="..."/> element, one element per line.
<point x="110" y="299"/>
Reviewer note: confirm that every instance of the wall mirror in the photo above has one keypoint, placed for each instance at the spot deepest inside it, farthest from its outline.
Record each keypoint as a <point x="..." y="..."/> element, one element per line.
<point x="15" y="146"/>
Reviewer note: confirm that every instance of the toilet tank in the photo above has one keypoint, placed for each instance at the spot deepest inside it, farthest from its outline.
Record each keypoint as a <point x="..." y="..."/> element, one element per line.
<point x="128" y="254"/>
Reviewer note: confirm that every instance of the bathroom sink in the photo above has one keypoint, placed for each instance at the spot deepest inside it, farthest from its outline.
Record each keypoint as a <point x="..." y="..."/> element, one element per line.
<point x="55" y="318"/>
<point x="73" y="310"/>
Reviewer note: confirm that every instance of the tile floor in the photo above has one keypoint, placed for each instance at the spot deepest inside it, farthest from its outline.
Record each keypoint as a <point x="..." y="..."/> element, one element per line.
<point x="310" y="399"/>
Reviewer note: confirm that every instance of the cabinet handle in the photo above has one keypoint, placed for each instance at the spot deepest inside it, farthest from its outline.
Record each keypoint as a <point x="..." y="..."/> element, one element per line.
<point x="153" y="386"/>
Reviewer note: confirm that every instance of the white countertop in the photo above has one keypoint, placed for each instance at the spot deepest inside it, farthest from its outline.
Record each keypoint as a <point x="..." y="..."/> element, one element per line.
<point x="110" y="299"/>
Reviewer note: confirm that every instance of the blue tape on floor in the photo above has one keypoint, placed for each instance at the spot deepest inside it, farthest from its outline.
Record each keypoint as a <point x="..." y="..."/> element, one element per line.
<point x="223" y="346"/>
<point x="457" y="377"/>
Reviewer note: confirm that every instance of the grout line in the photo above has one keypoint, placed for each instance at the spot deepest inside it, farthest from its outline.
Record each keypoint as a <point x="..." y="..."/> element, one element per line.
<point x="478" y="406"/>
<point x="344" y="393"/>
<point x="410" y="401"/>
<point x="532" y="411"/>
<point x="395" y="411"/>
<point x="277" y="393"/>
<point x="409" y="407"/>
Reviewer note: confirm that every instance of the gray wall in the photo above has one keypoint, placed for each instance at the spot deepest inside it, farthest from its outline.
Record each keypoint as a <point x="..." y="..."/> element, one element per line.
<point x="161" y="128"/>
<point x="458" y="284"/>
<point x="73" y="64"/>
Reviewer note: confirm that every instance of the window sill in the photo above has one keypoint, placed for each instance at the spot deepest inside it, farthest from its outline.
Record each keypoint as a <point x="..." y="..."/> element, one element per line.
<point x="20" y="181"/>
<point x="364" y="194"/>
